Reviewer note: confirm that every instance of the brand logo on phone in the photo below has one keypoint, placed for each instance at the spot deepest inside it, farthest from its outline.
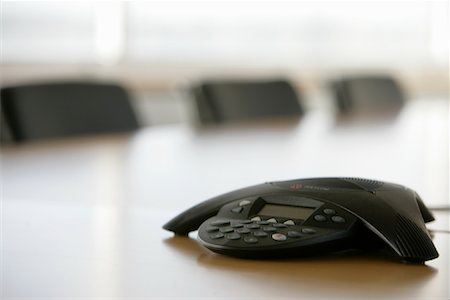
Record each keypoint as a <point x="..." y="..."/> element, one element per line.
<point x="296" y="186"/>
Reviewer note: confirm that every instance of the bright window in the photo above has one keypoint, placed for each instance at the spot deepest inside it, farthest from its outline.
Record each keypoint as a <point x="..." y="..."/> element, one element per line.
<point x="287" y="34"/>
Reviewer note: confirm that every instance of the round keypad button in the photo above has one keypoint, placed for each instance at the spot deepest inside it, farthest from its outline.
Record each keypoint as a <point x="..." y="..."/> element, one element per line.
<point x="263" y="223"/>
<point x="253" y="226"/>
<point x="329" y="211"/>
<point x="243" y="230"/>
<point x="226" y="229"/>
<point x="245" y="221"/>
<point x="216" y="236"/>
<point x="279" y="225"/>
<point x="250" y="240"/>
<point x="269" y="229"/>
<point x="279" y="237"/>
<point x="338" y="219"/>
<point x="233" y="236"/>
<point x="220" y="223"/>
<point x="237" y="210"/>
<point x="294" y="234"/>
<point x="212" y="229"/>
<point x="244" y="202"/>
<point x="308" y="230"/>
<point x="320" y="218"/>
<point x="259" y="233"/>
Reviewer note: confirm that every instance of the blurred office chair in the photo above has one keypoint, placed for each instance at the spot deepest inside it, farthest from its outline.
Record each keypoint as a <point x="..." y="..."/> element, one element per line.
<point x="56" y="110"/>
<point x="366" y="93"/>
<point x="5" y="130"/>
<point x="228" y="101"/>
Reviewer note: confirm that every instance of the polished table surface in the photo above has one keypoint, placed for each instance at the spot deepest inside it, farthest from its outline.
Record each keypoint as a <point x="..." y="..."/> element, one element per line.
<point x="82" y="218"/>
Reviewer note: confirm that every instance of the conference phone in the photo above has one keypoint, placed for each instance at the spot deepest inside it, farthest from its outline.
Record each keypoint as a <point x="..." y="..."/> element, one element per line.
<point x="311" y="216"/>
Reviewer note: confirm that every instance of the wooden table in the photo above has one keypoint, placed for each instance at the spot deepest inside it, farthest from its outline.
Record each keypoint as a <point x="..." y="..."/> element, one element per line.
<point x="82" y="218"/>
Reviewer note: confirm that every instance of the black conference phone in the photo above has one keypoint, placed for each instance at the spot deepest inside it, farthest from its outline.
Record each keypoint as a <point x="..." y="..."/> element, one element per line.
<point x="310" y="216"/>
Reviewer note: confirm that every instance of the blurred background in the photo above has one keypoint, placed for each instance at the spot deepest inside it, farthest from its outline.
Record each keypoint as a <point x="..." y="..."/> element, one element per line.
<point x="155" y="48"/>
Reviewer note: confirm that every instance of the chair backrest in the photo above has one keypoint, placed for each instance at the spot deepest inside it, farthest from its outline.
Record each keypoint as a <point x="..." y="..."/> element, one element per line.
<point x="67" y="109"/>
<point x="5" y="130"/>
<point x="367" y="92"/>
<point x="227" y="101"/>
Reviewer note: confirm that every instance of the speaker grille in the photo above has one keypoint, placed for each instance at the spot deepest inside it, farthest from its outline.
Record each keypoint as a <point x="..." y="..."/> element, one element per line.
<point x="366" y="184"/>
<point x="412" y="242"/>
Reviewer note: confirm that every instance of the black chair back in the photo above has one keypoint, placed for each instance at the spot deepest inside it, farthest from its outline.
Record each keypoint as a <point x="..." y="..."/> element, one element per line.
<point x="67" y="109"/>
<point x="367" y="92"/>
<point x="227" y="101"/>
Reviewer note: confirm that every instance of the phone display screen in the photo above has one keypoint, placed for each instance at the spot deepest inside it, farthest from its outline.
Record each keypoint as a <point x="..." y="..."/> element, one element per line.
<point x="284" y="211"/>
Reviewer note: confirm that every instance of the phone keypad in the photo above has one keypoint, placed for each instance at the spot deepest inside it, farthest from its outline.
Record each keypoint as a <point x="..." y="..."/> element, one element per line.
<point x="256" y="231"/>
<point x="240" y="226"/>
